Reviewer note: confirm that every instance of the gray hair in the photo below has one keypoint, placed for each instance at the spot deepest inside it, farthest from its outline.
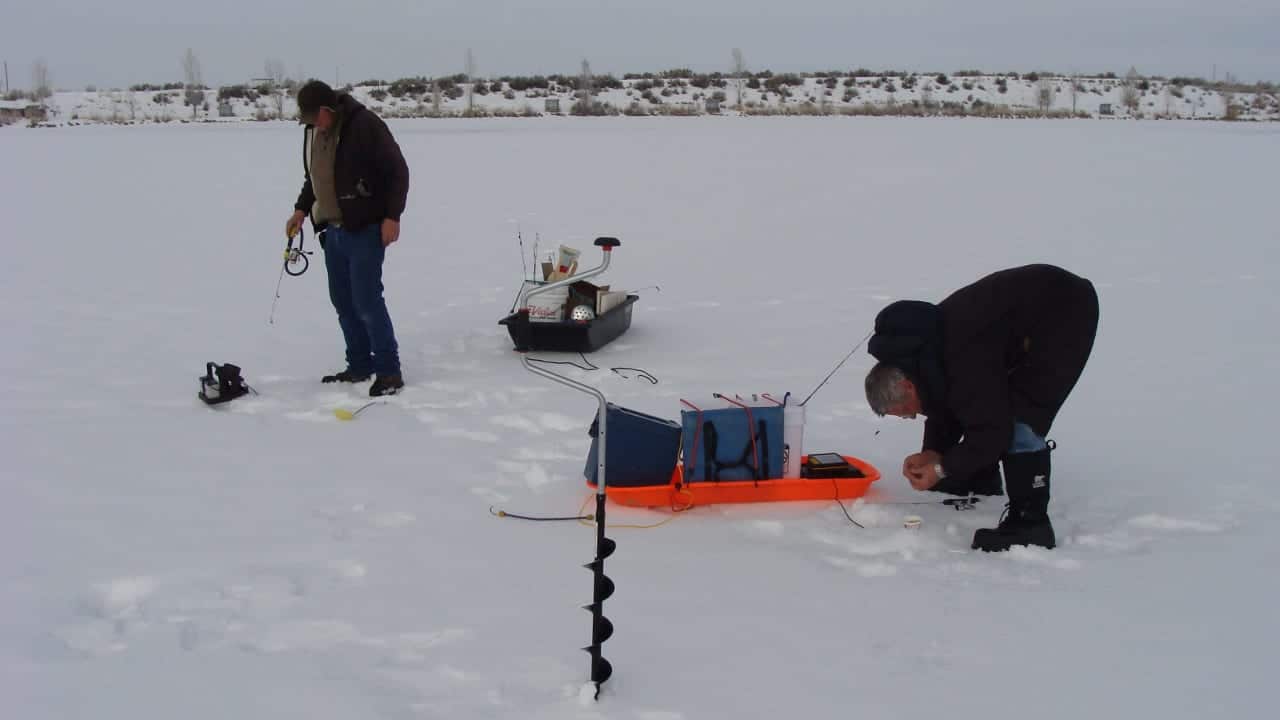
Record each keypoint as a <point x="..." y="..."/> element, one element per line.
<point x="885" y="388"/>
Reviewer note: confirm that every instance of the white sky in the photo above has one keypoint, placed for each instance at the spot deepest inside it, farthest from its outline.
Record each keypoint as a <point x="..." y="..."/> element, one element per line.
<point x="131" y="41"/>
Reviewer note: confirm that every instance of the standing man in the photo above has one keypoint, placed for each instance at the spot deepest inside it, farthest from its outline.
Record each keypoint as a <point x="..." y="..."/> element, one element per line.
<point x="355" y="188"/>
<point x="989" y="367"/>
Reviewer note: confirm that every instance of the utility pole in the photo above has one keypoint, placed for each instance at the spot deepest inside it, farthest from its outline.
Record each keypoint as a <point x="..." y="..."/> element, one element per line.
<point x="6" y="77"/>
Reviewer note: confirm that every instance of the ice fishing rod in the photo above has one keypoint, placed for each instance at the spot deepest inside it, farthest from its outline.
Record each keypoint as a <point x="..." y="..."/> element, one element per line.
<point x="295" y="264"/>
<point x="956" y="503"/>
<point x="837" y="368"/>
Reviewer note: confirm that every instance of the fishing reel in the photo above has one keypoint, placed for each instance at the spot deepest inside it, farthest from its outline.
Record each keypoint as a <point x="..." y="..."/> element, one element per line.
<point x="296" y="261"/>
<point x="962" y="503"/>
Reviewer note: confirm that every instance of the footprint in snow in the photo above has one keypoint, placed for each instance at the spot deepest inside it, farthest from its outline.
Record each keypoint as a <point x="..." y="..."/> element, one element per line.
<point x="869" y="569"/>
<point x="1161" y="522"/>
<point x="533" y="474"/>
<point x="473" y="435"/>
<point x="112" y="610"/>
<point x="1039" y="556"/>
<point x="559" y="423"/>
<point x="394" y="519"/>
<point x="768" y="528"/>
<point x="518" y="422"/>
<point x="490" y="494"/>
<point x="305" y="635"/>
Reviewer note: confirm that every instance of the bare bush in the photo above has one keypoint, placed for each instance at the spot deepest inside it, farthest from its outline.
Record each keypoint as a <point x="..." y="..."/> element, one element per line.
<point x="275" y="86"/>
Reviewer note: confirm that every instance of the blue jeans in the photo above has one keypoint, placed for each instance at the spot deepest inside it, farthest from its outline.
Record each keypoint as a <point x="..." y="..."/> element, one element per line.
<point x="1025" y="440"/>
<point x="353" y="259"/>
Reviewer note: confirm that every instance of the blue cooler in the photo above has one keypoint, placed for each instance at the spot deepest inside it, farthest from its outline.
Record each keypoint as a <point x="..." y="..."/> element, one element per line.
<point x="642" y="449"/>
<point x="728" y="443"/>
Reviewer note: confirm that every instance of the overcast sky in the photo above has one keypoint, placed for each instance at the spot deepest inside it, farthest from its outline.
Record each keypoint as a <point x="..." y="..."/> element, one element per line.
<point x="119" y="42"/>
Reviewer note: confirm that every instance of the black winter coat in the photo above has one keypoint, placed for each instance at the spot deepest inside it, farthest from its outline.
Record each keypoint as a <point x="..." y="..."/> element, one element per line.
<point x="370" y="174"/>
<point x="1009" y="347"/>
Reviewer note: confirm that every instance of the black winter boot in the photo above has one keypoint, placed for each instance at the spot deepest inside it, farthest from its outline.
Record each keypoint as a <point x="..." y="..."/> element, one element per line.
<point x="983" y="482"/>
<point x="1026" y="519"/>
<point x="345" y="376"/>
<point x="386" y="385"/>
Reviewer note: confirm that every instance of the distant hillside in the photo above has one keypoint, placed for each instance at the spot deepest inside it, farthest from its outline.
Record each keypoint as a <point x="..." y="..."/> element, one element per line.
<point x="687" y="93"/>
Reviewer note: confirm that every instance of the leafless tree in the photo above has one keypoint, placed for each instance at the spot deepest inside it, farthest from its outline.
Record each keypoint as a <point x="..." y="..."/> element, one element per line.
<point x="276" y="85"/>
<point x="435" y="98"/>
<point x="1045" y="90"/>
<point x="739" y="75"/>
<point x="586" y="91"/>
<point x="1074" y="88"/>
<point x="926" y="95"/>
<point x="41" y="85"/>
<point x="193" y="81"/>
<point x="471" y="81"/>
<point x="1129" y="94"/>
<point x="1230" y="110"/>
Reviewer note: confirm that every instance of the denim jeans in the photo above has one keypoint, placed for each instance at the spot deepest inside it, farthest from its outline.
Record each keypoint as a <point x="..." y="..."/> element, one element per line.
<point x="1025" y="440"/>
<point x="353" y="259"/>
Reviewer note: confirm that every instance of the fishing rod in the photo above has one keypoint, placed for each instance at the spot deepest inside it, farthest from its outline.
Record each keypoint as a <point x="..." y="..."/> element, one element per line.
<point x="837" y="368"/>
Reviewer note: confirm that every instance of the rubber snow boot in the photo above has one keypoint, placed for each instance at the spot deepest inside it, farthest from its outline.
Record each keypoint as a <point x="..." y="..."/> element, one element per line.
<point x="346" y="376"/>
<point x="1026" y="518"/>
<point x="386" y="385"/>
<point x="983" y="482"/>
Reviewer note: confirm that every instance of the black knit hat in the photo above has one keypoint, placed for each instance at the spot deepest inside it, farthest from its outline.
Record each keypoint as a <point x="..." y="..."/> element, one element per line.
<point x="312" y="96"/>
<point x="909" y="336"/>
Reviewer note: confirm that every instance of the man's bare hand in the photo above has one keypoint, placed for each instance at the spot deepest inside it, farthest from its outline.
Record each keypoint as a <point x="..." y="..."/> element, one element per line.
<point x="919" y="470"/>
<point x="294" y="224"/>
<point x="390" y="231"/>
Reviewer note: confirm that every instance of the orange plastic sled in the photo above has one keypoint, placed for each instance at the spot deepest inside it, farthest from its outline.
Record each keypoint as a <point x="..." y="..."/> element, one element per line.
<point x="677" y="494"/>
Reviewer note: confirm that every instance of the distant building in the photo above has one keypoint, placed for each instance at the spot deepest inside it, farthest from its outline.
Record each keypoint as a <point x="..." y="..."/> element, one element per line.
<point x="713" y="106"/>
<point x="225" y="109"/>
<point x="18" y="110"/>
<point x="552" y="106"/>
<point x="1105" y="109"/>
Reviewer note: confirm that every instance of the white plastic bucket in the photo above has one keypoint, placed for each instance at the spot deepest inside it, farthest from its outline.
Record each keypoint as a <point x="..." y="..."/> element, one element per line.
<point x="792" y="439"/>
<point x="547" y="306"/>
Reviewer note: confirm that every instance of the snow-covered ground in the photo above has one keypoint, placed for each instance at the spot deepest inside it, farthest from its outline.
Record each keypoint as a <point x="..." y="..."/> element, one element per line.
<point x="864" y="94"/>
<point x="161" y="559"/>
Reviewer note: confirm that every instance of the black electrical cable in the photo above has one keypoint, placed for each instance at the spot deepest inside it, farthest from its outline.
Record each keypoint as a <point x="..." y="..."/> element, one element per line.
<point x="589" y="366"/>
<point x="842" y="508"/>
<point x="642" y="374"/>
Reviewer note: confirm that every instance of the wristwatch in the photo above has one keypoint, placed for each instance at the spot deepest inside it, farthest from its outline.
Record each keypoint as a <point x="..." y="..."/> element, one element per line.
<point x="937" y="469"/>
